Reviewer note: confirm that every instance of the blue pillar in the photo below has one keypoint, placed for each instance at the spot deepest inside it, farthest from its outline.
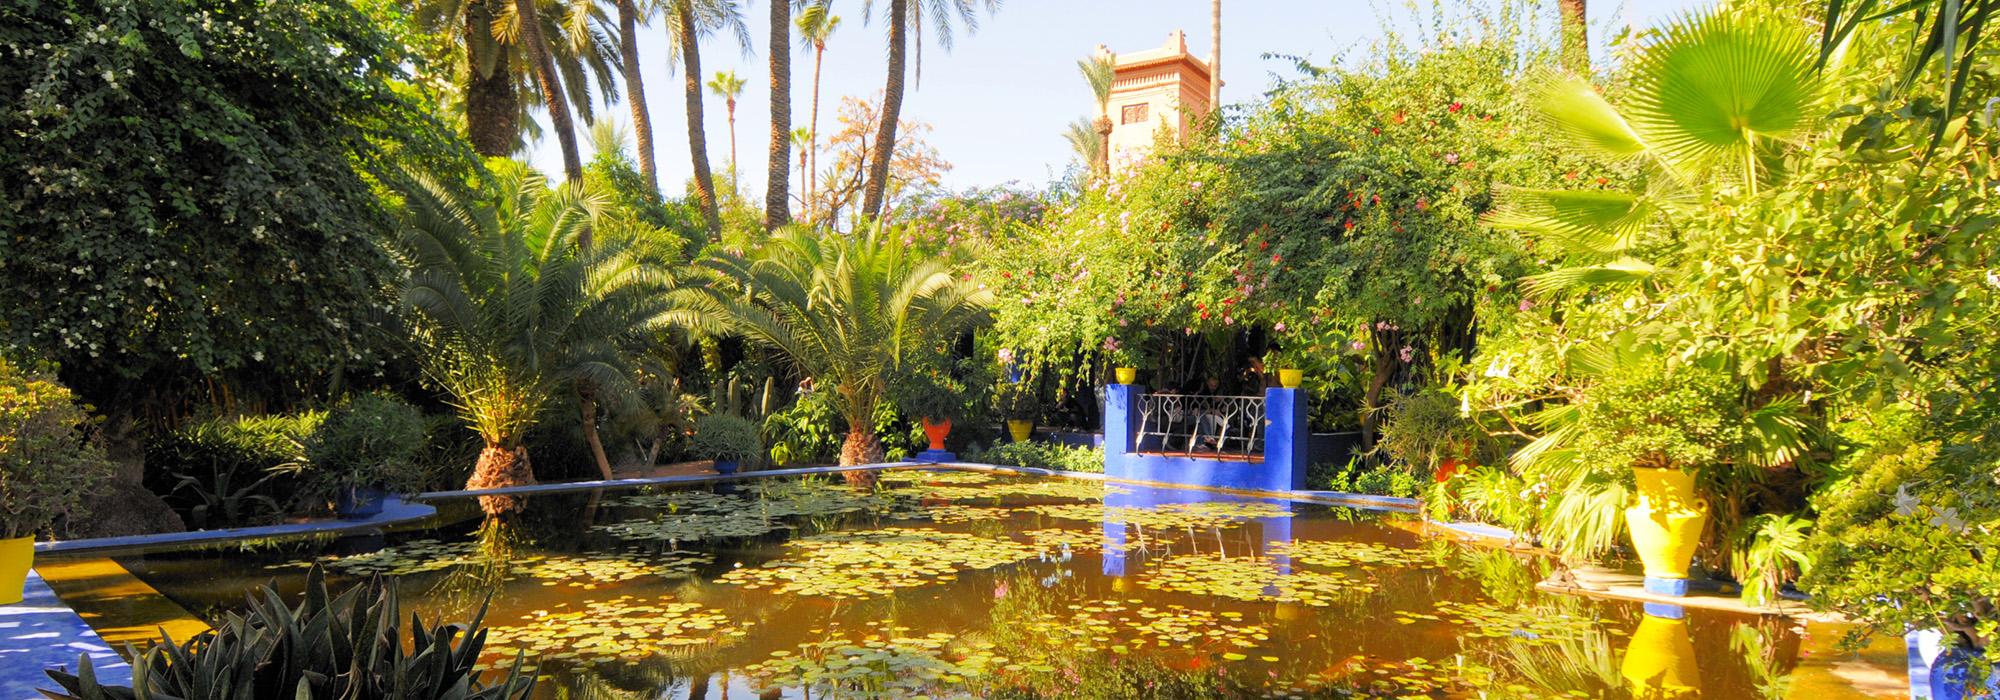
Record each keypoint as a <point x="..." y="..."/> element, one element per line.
<point x="1121" y="424"/>
<point x="1285" y="433"/>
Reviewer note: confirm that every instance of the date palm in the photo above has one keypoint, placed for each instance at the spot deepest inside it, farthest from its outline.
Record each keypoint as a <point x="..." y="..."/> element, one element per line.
<point x="693" y="20"/>
<point x="1088" y="144"/>
<point x="846" y="310"/>
<point x="1575" y="35"/>
<point x="1099" y="71"/>
<point x="727" y="86"/>
<point x="631" y="16"/>
<point x="527" y="24"/>
<point x="816" y="25"/>
<point x="507" y="308"/>
<point x="777" y="177"/>
<point x="903" y="18"/>
<point x="497" y="96"/>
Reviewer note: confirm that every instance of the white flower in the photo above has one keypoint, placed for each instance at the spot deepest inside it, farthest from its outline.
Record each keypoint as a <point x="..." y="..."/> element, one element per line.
<point x="1906" y="504"/>
<point x="1949" y="520"/>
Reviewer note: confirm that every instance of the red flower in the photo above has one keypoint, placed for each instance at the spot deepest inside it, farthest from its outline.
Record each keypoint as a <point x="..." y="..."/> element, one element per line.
<point x="1277" y="258"/>
<point x="1455" y="107"/>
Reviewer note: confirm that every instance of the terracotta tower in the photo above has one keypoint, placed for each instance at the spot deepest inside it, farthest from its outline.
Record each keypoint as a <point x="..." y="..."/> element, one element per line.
<point x="1156" y="93"/>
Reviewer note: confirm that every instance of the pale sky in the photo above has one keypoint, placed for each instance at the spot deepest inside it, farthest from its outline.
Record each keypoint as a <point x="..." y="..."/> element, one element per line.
<point x="998" y="102"/>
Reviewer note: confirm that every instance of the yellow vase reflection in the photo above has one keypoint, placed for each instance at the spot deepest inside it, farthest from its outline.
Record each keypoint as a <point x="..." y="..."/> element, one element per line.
<point x="1659" y="663"/>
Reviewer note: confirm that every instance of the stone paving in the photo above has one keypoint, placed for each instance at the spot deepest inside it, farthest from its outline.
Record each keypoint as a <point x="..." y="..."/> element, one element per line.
<point x="41" y="633"/>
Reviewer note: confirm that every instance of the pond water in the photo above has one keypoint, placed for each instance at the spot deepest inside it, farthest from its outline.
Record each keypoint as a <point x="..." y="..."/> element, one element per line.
<point x="960" y="583"/>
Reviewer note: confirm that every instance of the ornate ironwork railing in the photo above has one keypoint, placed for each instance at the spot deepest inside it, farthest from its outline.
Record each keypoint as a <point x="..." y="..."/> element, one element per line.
<point x="1221" y="426"/>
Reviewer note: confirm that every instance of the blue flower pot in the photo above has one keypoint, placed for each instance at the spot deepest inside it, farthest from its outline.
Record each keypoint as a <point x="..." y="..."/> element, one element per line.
<point x="1951" y="677"/>
<point x="358" y="502"/>
<point x="725" y="466"/>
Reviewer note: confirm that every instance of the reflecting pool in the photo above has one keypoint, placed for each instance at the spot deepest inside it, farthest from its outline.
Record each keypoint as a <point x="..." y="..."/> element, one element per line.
<point x="962" y="583"/>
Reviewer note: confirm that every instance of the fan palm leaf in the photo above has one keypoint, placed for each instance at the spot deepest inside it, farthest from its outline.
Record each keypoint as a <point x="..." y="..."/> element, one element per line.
<point x="1718" y="84"/>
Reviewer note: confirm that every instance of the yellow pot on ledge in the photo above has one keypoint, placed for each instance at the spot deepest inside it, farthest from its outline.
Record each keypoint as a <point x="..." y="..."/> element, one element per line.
<point x="1660" y="663"/>
<point x="1127" y="375"/>
<point x="1020" y="430"/>
<point x="1291" y="378"/>
<point x="17" y="556"/>
<point x="1667" y="521"/>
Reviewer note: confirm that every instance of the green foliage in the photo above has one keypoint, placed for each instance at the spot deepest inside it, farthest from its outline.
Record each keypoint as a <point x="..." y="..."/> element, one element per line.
<point x="509" y="307"/>
<point x="345" y="646"/>
<point x="1043" y="455"/>
<point x="846" y="310"/>
<point x="1358" y="477"/>
<point x="49" y="463"/>
<point x="190" y="192"/>
<point x="230" y="471"/>
<point x="1654" y="417"/>
<point x="1424" y="429"/>
<point x="726" y="438"/>
<point x="807" y="432"/>
<point x="1772" y="552"/>
<point x="369" y="440"/>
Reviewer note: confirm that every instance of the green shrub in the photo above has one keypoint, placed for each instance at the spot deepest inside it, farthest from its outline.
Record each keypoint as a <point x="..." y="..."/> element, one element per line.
<point x="1043" y="455"/>
<point x="725" y="438"/>
<point x="805" y="432"/>
<point x="48" y="462"/>
<point x="370" y="440"/>
<point x="350" y="646"/>
<point x="1355" y="477"/>
<point x="233" y="471"/>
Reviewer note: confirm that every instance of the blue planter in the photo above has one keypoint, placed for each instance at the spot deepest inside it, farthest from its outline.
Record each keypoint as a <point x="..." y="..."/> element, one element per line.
<point x="358" y="502"/>
<point x="725" y="466"/>
<point x="1951" y="677"/>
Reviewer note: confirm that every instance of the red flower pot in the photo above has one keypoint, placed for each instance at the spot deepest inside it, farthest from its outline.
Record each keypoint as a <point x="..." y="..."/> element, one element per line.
<point x="937" y="431"/>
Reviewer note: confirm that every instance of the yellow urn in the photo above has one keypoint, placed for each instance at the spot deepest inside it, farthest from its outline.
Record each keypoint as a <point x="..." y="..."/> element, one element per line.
<point x="17" y="556"/>
<point x="1659" y="662"/>
<point x="1020" y="430"/>
<point x="1667" y="521"/>
<point x="1126" y="375"/>
<point x="1291" y="378"/>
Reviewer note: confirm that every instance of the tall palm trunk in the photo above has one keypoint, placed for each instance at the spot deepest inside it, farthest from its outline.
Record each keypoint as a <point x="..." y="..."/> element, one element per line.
<point x="892" y="110"/>
<point x="1214" y="55"/>
<point x="635" y="90"/>
<point x="1575" y="35"/>
<point x="492" y="114"/>
<point x="704" y="182"/>
<point x="812" y="147"/>
<point x="551" y="84"/>
<point x="730" y="104"/>
<point x="777" y="203"/>
<point x="500" y="466"/>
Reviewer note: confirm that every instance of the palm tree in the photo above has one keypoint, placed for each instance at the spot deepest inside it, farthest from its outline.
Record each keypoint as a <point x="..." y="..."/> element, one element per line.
<point x="816" y="25"/>
<point x="1947" y="33"/>
<point x="694" y="19"/>
<point x="630" y="18"/>
<point x="1085" y="140"/>
<point x="903" y="17"/>
<point x="727" y="86"/>
<point x="802" y="138"/>
<point x="507" y="308"/>
<point x="843" y="309"/>
<point x="496" y="98"/>
<point x="1215" y="55"/>
<point x="777" y="177"/>
<point x="1099" y="71"/>
<point x="528" y="23"/>
<point x="1576" y="35"/>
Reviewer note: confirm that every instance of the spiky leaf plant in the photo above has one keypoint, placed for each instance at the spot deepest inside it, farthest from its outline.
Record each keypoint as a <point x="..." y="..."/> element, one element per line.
<point x="348" y="646"/>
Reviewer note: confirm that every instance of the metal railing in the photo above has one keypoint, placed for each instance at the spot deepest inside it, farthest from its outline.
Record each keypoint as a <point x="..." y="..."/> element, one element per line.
<point x="1221" y="426"/>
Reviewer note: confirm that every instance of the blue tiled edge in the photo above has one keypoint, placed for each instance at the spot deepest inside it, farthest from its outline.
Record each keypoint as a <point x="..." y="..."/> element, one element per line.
<point x="394" y="511"/>
<point x="41" y="633"/>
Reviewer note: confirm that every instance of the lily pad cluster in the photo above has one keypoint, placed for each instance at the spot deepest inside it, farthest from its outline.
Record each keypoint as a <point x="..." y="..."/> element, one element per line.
<point x="685" y="501"/>
<point x="412" y="557"/>
<point x="1127" y="627"/>
<point x="1528" y="624"/>
<point x="965" y="514"/>
<point x="876" y="562"/>
<point x="1073" y="540"/>
<point x="1340" y="554"/>
<point x="691" y="527"/>
<point x="1251" y="578"/>
<point x="589" y="570"/>
<point x="904" y="476"/>
<point x="627" y="629"/>
<point x="888" y="662"/>
<point x="1202" y="516"/>
<point x="1074" y="489"/>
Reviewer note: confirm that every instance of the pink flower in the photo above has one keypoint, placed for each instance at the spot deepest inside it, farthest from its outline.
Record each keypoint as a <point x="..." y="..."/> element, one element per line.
<point x="1356" y="346"/>
<point x="1280" y="327"/>
<point x="1525" y="305"/>
<point x="1407" y="353"/>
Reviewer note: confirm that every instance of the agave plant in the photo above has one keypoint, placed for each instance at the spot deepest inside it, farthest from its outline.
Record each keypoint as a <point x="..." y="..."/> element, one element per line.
<point x="844" y="309"/>
<point x="509" y="306"/>
<point x="345" y="646"/>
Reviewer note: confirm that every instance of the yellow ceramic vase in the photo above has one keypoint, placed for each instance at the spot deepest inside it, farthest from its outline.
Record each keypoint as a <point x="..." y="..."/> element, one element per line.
<point x="1667" y="521"/>
<point x="1659" y="663"/>
<point x="16" y="557"/>
<point x="1291" y="378"/>
<point x="1127" y="375"/>
<point x="1020" y="429"/>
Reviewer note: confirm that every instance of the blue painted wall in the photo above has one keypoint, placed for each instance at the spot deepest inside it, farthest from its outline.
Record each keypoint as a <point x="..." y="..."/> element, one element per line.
<point x="1285" y="447"/>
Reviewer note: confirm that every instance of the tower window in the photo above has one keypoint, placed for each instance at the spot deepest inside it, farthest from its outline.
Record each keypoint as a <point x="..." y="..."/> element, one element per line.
<point x="1132" y="114"/>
